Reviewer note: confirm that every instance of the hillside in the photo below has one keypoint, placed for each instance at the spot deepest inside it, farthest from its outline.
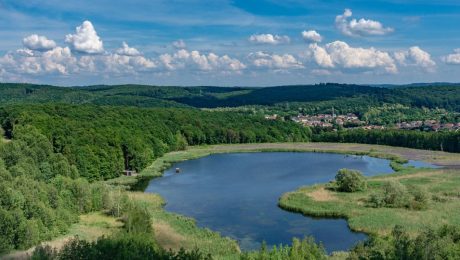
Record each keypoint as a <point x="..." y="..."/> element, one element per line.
<point x="437" y="96"/>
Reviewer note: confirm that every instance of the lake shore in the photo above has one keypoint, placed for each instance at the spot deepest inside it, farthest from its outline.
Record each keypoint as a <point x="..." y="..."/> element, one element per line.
<point x="356" y="221"/>
<point x="397" y="154"/>
<point x="174" y="231"/>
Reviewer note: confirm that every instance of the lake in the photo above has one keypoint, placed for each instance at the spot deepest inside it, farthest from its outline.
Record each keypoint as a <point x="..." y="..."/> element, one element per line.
<point x="236" y="194"/>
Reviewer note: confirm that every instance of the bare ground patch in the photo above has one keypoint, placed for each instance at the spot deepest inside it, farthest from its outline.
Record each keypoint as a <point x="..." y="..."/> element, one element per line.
<point x="321" y="194"/>
<point x="167" y="237"/>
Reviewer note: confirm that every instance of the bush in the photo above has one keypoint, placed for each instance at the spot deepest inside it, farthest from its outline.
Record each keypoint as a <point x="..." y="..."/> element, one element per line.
<point x="300" y="249"/>
<point x="119" y="246"/>
<point x="443" y="243"/>
<point x="350" y="180"/>
<point x="396" y="195"/>
<point x="420" y="198"/>
<point x="377" y="200"/>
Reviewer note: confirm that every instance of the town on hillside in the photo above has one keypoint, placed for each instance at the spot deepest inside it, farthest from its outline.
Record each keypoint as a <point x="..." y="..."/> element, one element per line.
<point x="351" y="120"/>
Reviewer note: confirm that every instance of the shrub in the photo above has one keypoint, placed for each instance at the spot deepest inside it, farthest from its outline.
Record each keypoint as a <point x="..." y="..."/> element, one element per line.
<point x="420" y="198"/>
<point x="350" y="180"/>
<point x="395" y="194"/>
<point x="377" y="200"/>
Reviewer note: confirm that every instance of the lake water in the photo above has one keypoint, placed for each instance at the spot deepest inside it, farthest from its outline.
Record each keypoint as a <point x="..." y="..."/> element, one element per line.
<point x="236" y="194"/>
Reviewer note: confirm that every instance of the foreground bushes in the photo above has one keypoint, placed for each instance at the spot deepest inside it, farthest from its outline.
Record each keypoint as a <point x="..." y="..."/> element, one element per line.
<point x="300" y="249"/>
<point x="430" y="244"/>
<point x="121" y="246"/>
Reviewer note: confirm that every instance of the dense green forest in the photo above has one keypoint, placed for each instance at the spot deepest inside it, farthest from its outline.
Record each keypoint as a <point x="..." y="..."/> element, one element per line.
<point x="41" y="193"/>
<point x="103" y="141"/>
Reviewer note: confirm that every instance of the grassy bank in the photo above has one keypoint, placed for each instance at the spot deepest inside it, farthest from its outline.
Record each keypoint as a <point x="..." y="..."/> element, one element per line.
<point x="442" y="187"/>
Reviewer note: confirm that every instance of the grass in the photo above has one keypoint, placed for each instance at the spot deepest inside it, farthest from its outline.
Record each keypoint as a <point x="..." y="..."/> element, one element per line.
<point x="443" y="186"/>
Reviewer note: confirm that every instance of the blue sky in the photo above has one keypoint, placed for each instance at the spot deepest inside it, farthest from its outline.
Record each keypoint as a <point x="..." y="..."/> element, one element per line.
<point x="223" y="42"/>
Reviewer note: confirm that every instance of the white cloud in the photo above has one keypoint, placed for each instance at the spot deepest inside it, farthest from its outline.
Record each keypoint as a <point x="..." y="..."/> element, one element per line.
<point x="361" y="27"/>
<point x="339" y="55"/>
<point x="58" y="60"/>
<point x="195" y="60"/>
<point x="85" y="39"/>
<point x="269" y="39"/>
<point x="39" y="43"/>
<point x="25" y="52"/>
<point x="126" y="64"/>
<point x="127" y="51"/>
<point x="321" y="56"/>
<point x="312" y="36"/>
<point x="179" y="44"/>
<point x="416" y="57"/>
<point x="273" y="61"/>
<point x="453" y="58"/>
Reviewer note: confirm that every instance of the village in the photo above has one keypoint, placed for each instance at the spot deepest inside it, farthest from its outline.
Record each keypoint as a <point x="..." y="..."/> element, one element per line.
<point x="352" y="121"/>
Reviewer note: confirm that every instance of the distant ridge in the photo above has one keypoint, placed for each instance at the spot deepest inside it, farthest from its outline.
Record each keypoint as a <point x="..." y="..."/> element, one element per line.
<point x="421" y="84"/>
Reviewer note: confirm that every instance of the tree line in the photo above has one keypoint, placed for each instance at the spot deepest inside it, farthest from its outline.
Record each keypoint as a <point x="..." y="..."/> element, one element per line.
<point x="440" y="141"/>
<point x="102" y="141"/>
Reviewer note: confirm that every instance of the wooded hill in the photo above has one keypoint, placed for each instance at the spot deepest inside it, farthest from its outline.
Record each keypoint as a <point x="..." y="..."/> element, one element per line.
<point x="447" y="97"/>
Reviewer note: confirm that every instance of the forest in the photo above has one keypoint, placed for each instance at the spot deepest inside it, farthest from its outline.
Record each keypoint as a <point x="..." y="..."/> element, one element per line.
<point x="435" y="96"/>
<point x="59" y="144"/>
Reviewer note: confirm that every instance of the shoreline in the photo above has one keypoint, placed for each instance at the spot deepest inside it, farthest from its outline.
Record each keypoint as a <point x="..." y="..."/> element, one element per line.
<point x="399" y="155"/>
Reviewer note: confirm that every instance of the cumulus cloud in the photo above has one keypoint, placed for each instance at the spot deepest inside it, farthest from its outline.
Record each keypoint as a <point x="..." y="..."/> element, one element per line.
<point x="361" y="27"/>
<point x="274" y="61"/>
<point x="39" y="43"/>
<point x="127" y="51"/>
<point x="340" y="55"/>
<point x="312" y="36"/>
<point x="179" y="44"/>
<point x="416" y="57"/>
<point x="453" y="58"/>
<point x="126" y="64"/>
<point x="269" y="39"/>
<point x="321" y="56"/>
<point x="58" y="60"/>
<point x="85" y="39"/>
<point x="202" y="62"/>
